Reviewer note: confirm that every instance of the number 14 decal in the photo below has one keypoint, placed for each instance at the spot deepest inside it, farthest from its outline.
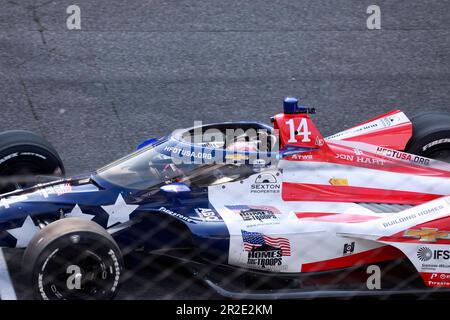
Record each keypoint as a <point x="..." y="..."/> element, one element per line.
<point x="302" y="130"/>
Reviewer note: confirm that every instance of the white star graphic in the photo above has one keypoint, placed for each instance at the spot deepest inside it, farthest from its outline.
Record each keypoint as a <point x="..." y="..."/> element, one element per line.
<point x="24" y="233"/>
<point x="77" y="213"/>
<point x="119" y="211"/>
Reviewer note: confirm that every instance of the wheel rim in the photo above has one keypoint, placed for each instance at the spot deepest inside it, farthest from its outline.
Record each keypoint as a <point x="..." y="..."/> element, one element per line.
<point x="77" y="273"/>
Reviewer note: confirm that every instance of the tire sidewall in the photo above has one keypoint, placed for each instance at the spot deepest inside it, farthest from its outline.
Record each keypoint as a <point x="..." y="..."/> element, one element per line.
<point x="105" y="249"/>
<point x="28" y="153"/>
<point x="429" y="142"/>
<point x="38" y="160"/>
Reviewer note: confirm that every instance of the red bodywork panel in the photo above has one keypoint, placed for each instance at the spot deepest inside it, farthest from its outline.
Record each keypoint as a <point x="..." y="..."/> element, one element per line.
<point x="393" y="137"/>
<point x="298" y="130"/>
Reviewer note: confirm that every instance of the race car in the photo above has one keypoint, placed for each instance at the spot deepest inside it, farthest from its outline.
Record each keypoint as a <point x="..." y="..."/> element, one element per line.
<point x="253" y="210"/>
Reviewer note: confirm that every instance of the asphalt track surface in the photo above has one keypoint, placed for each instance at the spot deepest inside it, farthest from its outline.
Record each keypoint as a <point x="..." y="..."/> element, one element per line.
<point x="139" y="69"/>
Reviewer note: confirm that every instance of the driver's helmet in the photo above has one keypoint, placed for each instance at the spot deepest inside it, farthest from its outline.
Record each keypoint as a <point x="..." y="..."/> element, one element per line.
<point x="243" y="146"/>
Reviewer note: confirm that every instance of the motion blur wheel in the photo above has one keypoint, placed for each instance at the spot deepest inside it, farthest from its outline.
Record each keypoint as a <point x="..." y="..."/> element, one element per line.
<point x="23" y="156"/>
<point x="431" y="136"/>
<point x="73" y="259"/>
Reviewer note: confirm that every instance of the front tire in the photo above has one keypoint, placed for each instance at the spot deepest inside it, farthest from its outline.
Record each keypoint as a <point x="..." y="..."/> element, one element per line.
<point x="431" y="136"/>
<point x="73" y="259"/>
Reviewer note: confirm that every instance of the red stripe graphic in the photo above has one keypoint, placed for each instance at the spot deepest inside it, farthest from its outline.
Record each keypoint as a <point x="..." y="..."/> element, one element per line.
<point x="394" y="137"/>
<point x="317" y="192"/>
<point x="334" y="217"/>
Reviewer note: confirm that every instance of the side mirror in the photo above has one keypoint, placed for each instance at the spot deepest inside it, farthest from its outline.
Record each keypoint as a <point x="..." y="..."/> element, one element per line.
<point x="175" y="188"/>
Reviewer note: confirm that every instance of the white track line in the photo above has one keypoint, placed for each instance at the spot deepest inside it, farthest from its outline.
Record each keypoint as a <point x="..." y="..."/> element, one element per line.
<point x="6" y="287"/>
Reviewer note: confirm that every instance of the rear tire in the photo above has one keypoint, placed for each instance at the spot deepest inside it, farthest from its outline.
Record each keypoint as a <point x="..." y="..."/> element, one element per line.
<point x="431" y="136"/>
<point x="73" y="259"/>
<point x="24" y="155"/>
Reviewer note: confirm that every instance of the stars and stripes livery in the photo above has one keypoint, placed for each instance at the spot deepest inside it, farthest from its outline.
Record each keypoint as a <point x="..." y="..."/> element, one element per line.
<point x="253" y="240"/>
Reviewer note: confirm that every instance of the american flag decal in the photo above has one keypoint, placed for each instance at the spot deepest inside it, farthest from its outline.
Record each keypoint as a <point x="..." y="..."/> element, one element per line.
<point x="253" y="240"/>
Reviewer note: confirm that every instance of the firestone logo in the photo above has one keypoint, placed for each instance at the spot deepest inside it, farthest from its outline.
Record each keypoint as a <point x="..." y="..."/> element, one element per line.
<point x="441" y="276"/>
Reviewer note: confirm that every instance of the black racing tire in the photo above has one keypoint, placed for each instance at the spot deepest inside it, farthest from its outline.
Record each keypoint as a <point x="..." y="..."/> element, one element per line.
<point x="23" y="156"/>
<point x="431" y="136"/>
<point x="73" y="259"/>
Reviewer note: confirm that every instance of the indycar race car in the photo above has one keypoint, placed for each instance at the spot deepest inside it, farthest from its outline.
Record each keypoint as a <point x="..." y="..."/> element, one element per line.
<point x="254" y="211"/>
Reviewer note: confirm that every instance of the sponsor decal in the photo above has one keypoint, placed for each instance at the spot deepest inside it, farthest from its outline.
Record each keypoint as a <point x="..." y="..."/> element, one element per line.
<point x="368" y="160"/>
<point x="367" y="127"/>
<point x="436" y="279"/>
<point x="385" y="122"/>
<point x="176" y="215"/>
<point x="427" y="234"/>
<point x="441" y="254"/>
<point x="265" y="183"/>
<point x="176" y="151"/>
<point x="347" y="157"/>
<point x="338" y="182"/>
<point x="438" y="283"/>
<point x="360" y="159"/>
<point x="207" y="214"/>
<point x="435" y="143"/>
<point x="349" y="248"/>
<point x="256" y="215"/>
<point x="442" y="276"/>
<point x="412" y="216"/>
<point x="394" y="154"/>
<point x="389" y="121"/>
<point x="424" y="254"/>
<point x="373" y="125"/>
<point x="58" y="189"/>
<point x="434" y="258"/>
<point x="358" y="152"/>
<point x="264" y="251"/>
<point x="337" y="135"/>
<point x="302" y="157"/>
